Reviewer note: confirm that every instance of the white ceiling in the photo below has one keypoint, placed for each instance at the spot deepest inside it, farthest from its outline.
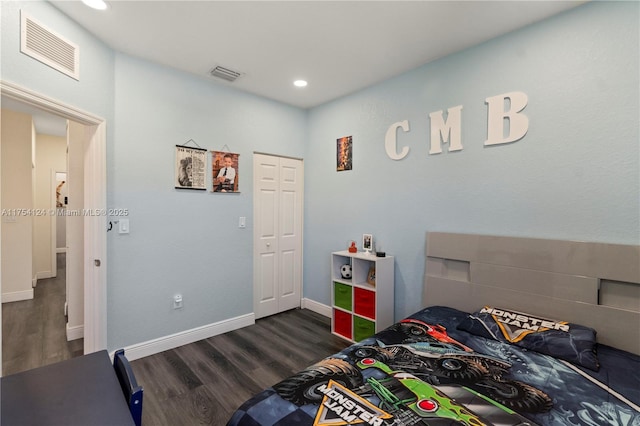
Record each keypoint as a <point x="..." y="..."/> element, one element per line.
<point x="339" y="46"/>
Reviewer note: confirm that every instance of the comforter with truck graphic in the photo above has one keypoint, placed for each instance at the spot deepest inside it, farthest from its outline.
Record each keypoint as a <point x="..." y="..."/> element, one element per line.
<point x="423" y="370"/>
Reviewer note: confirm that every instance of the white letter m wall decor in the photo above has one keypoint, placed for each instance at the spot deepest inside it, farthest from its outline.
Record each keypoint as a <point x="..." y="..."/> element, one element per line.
<point x="450" y="130"/>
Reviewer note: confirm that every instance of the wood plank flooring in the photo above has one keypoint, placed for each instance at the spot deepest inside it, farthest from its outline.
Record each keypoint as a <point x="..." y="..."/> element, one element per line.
<point x="34" y="331"/>
<point x="203" y="383"/>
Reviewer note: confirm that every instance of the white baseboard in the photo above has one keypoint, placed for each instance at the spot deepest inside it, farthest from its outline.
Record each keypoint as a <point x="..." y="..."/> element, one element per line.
<point x="74" y="333"/>
<point x="17" y="296"/>
<point x="43" y="275"/>
<point x="151" y="347"/>
<point x="317" y="307"/>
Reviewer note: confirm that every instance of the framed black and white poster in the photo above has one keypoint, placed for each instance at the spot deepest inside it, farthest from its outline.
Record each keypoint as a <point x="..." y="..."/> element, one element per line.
<point x="190" y="167"/>
<point x="225" y="171"/>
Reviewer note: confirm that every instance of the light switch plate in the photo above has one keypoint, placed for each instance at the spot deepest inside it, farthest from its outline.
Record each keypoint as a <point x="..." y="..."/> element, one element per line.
<point x="123" y="226"/>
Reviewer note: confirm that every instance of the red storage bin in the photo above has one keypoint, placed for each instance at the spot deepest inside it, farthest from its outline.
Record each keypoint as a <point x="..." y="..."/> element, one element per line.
<point x="364" y="302"/>
<point x="342" y="323"/>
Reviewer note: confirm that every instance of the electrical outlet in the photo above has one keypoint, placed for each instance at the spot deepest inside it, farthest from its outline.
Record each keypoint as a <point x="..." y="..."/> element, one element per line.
<point x="177" y="301"/>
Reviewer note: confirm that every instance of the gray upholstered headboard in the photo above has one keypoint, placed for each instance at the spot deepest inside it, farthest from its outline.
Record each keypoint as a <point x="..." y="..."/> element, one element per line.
<point x="593" y="284"/>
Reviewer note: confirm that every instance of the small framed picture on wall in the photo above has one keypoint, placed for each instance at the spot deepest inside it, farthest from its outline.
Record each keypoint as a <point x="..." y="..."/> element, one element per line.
<point x="190" y="167"/>
<point x="225" y="171"/>
<point x="344" y="153"/>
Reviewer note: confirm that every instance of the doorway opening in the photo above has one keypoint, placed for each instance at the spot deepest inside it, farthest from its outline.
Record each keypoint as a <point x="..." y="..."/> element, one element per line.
<point x="91" y="134"/>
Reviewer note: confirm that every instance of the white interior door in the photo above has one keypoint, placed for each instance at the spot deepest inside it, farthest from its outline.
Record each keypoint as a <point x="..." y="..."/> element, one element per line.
<point x="277" y="208"/>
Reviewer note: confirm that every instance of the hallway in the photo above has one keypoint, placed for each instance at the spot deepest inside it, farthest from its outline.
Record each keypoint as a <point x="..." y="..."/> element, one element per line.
<point x="34" y="331"/>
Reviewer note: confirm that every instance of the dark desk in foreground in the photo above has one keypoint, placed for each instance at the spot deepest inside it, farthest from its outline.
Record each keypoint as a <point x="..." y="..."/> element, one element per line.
<point x="80" y="391"/>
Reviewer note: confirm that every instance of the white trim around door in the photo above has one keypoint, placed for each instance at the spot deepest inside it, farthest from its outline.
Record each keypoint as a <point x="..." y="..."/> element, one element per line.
<point x="95" y="183"/>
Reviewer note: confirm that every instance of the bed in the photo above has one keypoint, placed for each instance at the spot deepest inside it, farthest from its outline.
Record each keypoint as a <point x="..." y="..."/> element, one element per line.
<point x="516" y="331"/>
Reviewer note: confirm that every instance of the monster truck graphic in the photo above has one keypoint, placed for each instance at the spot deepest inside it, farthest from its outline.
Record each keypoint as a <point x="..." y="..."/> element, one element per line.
<point x="429" y="353"/>
<point x="413" y="330"/>
<point x="425" y="354"/>
<point x="440" y="366"/>
<point x="426" y="404"/>
<point x="402" y="397"/>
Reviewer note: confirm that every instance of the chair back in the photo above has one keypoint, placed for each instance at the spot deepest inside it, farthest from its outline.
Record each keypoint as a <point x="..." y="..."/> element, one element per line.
<point x="132" y="392"/>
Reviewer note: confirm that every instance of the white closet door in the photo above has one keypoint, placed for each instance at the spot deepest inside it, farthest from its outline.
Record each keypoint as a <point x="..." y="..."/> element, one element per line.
<point x="278" y="196"/>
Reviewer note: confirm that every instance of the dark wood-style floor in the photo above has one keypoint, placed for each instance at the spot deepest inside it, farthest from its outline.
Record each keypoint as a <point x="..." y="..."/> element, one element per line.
<point x="204" y="382"/>
<point x="34" y="331"/>
<point x="197" y="384"/>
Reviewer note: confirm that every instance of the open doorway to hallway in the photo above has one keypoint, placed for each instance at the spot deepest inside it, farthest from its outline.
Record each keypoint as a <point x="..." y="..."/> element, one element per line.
<point x="83" y="148"/>
<point x="90" y="256"/>
<point x="36" y="147"/>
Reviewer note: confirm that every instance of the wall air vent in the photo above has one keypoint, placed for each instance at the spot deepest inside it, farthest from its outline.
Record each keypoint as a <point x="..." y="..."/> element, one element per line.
<point x="49" y="48"/>
<point x="226" y="73"/>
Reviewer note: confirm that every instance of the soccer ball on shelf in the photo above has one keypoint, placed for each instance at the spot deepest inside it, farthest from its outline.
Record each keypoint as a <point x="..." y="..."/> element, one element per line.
<point x="345" y="270"/>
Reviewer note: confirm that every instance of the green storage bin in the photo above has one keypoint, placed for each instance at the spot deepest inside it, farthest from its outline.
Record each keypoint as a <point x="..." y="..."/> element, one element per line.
<point x="342" y="296"/>
<point x="362" y="328"/>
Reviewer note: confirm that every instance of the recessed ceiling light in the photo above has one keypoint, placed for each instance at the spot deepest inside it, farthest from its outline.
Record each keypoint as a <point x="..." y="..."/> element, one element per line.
<point x="300" y="83"/>
<point x="95" y="4"/>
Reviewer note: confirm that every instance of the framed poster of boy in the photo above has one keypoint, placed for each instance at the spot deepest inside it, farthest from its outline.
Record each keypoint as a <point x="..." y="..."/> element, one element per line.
<point x="225" y="171"/>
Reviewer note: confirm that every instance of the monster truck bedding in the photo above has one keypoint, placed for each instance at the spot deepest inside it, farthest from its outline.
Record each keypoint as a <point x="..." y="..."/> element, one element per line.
<point x="442" y="366"/>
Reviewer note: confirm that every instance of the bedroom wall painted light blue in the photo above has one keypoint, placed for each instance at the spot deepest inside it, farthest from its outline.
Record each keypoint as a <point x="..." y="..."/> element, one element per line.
<point x="575" y="175"/>
<point x="92" y="93"/>
<point x="184" y="241"/>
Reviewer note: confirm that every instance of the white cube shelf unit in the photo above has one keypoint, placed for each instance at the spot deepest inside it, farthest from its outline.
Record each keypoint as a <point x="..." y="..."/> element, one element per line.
<point x="360" y="308"/>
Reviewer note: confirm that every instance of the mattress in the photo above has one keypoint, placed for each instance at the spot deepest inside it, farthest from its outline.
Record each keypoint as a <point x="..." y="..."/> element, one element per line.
<point x="428" y="370"/>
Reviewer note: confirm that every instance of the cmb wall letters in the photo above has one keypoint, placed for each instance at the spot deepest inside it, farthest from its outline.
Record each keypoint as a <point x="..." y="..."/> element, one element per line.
<point x="505" y="123"/>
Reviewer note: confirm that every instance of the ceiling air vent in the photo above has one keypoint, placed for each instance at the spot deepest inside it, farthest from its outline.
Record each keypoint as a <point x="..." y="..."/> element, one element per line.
<point x="226" y="73"/>
<point x="47" y="47"/>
